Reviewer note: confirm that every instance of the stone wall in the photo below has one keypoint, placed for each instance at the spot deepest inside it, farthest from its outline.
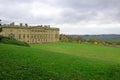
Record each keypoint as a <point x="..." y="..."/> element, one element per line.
<point x="33" y="34"/>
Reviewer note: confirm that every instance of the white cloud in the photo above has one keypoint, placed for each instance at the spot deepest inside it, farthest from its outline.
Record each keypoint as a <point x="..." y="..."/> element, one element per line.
<point x="90" y="28"/>
<point x="40" y="9"/>
<point x="71" y="16"/>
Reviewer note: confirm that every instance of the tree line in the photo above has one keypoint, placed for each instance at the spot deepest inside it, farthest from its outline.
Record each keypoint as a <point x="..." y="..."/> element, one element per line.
<point x="80" y="39"/>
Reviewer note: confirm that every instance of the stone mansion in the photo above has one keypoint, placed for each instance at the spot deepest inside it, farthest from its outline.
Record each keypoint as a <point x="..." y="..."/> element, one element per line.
<point x="31" y="34"/>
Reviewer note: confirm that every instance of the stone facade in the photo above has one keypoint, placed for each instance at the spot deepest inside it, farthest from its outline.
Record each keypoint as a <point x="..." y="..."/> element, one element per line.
<point x="31" y="34"/>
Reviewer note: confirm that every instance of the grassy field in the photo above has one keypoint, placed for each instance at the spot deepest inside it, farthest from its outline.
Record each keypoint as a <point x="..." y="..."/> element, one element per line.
<point x="59" y="61"/>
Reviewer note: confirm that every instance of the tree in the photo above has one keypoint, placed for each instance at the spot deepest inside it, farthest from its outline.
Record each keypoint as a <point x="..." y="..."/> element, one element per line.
<point x="79" y="39"/>
<point x="63" y="38"/>
<point x="12" y="24"/>
<point x="96" y="41"/>
<point x="21" y="24"/>
<point x="0" y="23"/>
<point x="0" y="29"/>
<point x="26" y="25"/>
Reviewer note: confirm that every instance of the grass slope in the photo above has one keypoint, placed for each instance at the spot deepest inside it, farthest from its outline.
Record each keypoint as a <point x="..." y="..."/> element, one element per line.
<point x="59" y="61"/>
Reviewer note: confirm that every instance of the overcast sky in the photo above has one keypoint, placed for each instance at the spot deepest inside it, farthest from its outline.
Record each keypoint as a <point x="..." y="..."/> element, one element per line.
<point x="71" y="16"/>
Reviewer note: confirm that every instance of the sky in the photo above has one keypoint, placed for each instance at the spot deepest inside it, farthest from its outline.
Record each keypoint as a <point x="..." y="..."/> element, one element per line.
<point x="71" y="16"/>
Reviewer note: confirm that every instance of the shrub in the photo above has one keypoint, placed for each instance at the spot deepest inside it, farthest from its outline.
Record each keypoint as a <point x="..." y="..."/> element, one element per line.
<point x="0" y="29"/>
<point x="8" y="40"/>
<point x="116" y="42"/>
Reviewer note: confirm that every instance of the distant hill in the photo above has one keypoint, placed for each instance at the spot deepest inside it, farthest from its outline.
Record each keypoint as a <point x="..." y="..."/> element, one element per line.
<point x="103" y="37"/>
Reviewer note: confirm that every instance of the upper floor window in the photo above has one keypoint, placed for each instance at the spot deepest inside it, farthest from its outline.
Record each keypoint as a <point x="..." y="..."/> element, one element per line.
<point x="19" y="36"/>
<point x="28" y="36"/>
<point x="23" y="35"/>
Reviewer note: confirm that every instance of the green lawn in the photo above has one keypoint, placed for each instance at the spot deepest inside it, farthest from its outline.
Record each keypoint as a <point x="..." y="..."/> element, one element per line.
<point x="59" y="61"/>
